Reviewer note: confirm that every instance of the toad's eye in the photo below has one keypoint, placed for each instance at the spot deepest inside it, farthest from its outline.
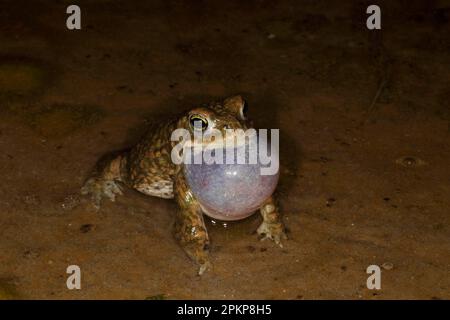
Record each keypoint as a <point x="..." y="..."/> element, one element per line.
<point x="243" y="111"/>
<point x="198" y="122"/>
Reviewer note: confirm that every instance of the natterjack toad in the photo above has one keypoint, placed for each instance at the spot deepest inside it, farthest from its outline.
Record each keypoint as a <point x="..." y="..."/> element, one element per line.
<point x="149" y="168"/>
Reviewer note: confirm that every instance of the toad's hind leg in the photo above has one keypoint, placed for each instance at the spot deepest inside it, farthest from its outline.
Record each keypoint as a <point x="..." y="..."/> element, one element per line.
<point x="190" y="230"/>
<point x="103" y="182"/>
<point x="272" y="226"/>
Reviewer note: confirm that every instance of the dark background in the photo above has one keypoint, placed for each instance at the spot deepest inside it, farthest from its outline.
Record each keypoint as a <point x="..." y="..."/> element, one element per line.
<point x="364" y="120"/>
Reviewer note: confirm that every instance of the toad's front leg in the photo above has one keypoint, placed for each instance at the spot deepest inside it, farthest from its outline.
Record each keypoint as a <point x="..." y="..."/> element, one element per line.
<point x="190" y="230"/>
<point x="272" y="226"/>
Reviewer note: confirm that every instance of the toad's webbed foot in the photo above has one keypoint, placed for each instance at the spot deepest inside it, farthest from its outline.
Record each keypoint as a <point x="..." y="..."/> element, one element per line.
<point x="98" y="188"/>
<point x="273" y="232"/>
<point x="104" y="180"/>
<point x="193" y="238"/>
<point x="272" y="227"/>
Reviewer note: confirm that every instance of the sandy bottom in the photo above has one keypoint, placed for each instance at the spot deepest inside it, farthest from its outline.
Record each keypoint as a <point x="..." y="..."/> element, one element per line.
<point x="362" y="183"/>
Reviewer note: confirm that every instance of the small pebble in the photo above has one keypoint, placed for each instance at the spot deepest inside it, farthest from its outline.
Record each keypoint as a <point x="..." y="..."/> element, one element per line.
<point x="86" y="228"/>
<point x="410" y="162"/>
<point x="330" y="202"/>
<point x="387" y="266"/>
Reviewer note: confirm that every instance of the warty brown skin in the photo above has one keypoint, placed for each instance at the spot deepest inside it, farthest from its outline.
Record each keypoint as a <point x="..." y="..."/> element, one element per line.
<point x="148" y="168"/>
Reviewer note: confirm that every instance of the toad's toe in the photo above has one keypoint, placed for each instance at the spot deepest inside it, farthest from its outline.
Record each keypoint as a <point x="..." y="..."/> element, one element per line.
<point x="272" y="231"/>
<point x="99" y="189"/>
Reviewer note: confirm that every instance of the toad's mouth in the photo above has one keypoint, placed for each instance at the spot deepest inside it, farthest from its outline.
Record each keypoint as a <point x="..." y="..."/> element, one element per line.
<point x="231" y="140"/>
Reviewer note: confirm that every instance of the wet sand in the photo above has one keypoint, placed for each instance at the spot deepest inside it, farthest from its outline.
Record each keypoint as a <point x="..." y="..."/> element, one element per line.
<point x="362" y="183"/>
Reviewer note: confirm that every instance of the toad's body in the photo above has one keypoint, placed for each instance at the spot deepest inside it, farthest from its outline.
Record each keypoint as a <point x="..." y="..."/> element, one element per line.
<point x="148" y="168"/>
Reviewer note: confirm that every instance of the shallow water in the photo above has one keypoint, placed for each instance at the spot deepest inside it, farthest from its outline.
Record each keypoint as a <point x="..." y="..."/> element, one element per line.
<point x="311" y="70"/>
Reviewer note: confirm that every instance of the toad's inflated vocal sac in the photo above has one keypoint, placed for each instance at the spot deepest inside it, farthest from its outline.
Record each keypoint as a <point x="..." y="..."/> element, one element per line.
<point x="148" y="168"/>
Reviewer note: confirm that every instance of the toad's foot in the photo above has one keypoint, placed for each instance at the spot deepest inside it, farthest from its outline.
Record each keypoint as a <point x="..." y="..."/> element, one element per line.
<point x="103" y="181"/>
<point x="272" y="226"/>
<point x="203" y="267"/>
<point x="99" y="188"/>
<point x="196" y="246"/>
<point x="193" y="238"/>
<point x="273" y="231"/>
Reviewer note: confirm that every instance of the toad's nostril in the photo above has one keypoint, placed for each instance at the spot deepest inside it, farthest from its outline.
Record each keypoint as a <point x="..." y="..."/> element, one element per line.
<point x="226" y="127"/>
